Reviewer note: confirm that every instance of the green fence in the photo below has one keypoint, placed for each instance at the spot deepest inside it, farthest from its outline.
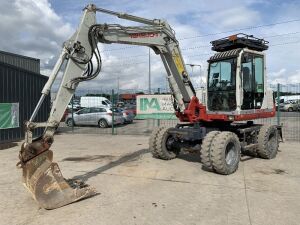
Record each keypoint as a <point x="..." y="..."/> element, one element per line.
<point x="144" y="124"/>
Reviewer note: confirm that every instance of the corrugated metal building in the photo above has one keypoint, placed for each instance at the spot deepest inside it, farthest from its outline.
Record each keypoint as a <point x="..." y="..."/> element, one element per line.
<point x="20" y="89"/>
<point x="23" y="62"/>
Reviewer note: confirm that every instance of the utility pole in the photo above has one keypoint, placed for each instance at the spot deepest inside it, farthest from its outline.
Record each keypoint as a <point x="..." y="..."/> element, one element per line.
<point x="149" y="73"/>
<point x="118" y="88"/>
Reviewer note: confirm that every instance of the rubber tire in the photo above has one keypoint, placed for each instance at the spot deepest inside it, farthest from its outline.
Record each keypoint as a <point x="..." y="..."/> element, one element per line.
<point x="160" y="144"/>
<point x="70" y="125"/>
<point x="290" y="109"/>
<point x="102" y="123"/>
<point x="152" y="141"/>
<point x="218" y="153"/>
<point x="205" y="157"/>
<point x="263" y="150"/>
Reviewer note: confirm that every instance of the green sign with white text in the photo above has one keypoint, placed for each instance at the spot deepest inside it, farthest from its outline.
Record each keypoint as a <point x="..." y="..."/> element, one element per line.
<point x="9" y="115"/>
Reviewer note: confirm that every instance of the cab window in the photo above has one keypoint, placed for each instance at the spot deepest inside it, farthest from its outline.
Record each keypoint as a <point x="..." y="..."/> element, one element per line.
<point x="259" y="74"/>
<point x="222" y="75"/>
<point x="221" y="85"/>
<point x="252" y="80"/>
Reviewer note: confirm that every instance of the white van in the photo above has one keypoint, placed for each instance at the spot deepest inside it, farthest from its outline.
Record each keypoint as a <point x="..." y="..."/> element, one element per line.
<point x="289" y="98"/>
<point x="94" y="101"/>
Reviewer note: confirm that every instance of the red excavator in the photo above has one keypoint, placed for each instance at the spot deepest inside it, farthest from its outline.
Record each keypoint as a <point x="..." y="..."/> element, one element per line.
<point x="223" y="127"/>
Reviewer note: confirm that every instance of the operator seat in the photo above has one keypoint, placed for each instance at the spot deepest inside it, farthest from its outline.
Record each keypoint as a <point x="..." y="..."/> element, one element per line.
<point x="215" y="79"/>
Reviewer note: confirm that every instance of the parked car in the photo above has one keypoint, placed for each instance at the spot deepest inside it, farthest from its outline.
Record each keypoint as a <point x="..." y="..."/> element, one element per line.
<point x="128" y="115"/>
<point x="290" y="106"/>
<point x="131" y="108"/>
<point x="120" y="104"/>
<point x="101" y="117"/>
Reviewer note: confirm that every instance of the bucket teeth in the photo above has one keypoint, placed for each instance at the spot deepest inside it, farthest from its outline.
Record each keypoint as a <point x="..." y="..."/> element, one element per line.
<point x="44" y="180"/>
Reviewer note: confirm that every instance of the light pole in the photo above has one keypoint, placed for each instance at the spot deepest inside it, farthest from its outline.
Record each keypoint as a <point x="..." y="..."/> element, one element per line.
<point x="118" y="86"/>
<point x="149" y="73"/>
<point x="192" y="66"/>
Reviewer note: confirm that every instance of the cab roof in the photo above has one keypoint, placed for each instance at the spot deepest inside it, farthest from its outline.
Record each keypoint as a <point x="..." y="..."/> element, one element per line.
<point x="239" y="41"/>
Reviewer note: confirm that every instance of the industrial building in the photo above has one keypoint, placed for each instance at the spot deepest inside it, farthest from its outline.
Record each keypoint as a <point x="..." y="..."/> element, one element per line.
<point x="20" y="89"/>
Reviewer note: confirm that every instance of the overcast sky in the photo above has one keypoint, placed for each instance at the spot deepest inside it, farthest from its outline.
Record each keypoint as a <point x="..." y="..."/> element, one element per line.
<point x="37" y="28"/>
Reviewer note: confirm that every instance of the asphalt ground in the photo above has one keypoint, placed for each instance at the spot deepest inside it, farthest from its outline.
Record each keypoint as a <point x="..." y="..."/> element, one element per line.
<point x="135" y="188"/>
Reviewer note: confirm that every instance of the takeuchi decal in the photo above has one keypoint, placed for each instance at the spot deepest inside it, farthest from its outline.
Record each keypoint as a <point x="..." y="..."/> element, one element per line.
<point x="143" y="35"/>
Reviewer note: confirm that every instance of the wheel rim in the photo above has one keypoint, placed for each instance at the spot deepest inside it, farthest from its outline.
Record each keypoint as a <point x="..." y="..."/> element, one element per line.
<point x="169" y="142"/>
<point x="102" y="124"/>
<point x="230" y="154"/>
<point x="70" y="123"/>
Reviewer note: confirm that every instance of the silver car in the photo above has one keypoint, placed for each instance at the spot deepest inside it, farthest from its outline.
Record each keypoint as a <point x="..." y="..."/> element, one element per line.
<point x="290" y="106"/>
<point x="101" y="117"/>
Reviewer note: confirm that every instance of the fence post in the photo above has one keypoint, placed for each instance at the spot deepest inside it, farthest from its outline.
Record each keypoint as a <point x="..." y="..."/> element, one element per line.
<point x="112" y="109"/>
<point x="278" y="106"/>
<point x="72" y="113"/>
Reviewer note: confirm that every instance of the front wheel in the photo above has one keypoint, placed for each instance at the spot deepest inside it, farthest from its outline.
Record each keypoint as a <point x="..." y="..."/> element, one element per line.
<point x="163" y="144"/>
<point x="205" y="151"/>
<point x="225" y="153"/>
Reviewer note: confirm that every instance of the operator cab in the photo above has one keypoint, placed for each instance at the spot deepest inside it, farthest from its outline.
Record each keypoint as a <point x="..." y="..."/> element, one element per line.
<point x="236" y="75"/>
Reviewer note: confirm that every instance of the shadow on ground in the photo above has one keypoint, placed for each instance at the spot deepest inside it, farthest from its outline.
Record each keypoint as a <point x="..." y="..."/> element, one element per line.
<point x="190" y="157"/>
<point x="5" y="146"/>
<point x="126" y="158"/>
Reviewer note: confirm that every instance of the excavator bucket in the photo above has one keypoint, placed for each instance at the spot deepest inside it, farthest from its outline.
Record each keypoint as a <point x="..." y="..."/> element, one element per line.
<point x="44" y="180"/>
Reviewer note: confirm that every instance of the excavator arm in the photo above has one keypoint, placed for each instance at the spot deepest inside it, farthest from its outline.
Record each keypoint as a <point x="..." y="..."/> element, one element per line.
<point x="159" y="36"/>
<point x="41" y="176"/>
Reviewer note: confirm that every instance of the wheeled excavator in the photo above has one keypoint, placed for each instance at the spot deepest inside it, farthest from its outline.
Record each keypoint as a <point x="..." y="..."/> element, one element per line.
<point x="237" y="93"/>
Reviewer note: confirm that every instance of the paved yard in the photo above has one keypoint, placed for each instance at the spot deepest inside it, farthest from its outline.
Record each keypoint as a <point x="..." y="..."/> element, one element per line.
<point x="138" y="189"/>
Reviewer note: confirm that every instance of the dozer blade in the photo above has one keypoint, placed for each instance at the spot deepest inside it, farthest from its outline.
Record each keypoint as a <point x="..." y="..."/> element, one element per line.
<point x="44" y="180"/>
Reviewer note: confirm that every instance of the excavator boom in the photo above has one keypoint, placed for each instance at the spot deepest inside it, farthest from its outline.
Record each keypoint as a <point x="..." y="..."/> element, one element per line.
<point x="41" y="176"/>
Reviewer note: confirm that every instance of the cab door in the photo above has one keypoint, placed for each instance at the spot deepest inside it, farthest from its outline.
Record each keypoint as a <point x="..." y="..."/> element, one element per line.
<point x="252" y="81"/>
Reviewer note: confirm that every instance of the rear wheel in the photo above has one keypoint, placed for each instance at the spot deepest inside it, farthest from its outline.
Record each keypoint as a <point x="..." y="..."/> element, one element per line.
<point x="152" y="141"/>
<point x="70" y="123"/>
<point x="225" y="153"/>
<point x="267" y="142"/>
<point x="290" y="109"/>
<point x="164" y="145"/>
<point x="205" y="156"/>
<point x="102" y="123"/>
